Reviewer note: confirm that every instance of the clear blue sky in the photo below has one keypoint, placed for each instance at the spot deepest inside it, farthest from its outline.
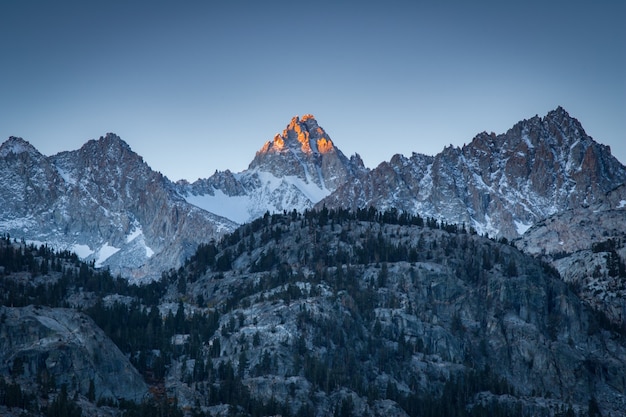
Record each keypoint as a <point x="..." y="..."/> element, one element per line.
<point x="195" y="86"/>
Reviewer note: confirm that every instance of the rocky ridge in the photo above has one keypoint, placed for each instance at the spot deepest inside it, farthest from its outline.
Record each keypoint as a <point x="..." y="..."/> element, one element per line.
<point x="385" y="317"/>
<point x="498" y="184"/>
<point x="103" y="202"/>
<point x="328" y="313"/>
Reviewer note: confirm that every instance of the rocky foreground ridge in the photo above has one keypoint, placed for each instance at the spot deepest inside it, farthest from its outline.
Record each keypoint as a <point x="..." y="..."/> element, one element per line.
<point x="65" y="346"/>
<point x="328" y="313"/>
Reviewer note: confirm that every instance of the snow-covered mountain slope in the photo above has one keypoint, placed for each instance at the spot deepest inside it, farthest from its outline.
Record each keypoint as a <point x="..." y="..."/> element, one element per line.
<point x="104" y="203"/>
<point x="295" y="170"/>
<point x="498" y="184"/>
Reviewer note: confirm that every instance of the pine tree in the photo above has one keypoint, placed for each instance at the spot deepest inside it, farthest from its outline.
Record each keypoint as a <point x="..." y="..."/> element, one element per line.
<point x="91" y="394"/>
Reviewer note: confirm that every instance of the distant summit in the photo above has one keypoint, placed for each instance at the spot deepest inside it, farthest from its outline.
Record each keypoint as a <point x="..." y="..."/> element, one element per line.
<point x="304" y="150"/>
<point x="15" y="145"/>
<point x="301" y="135"/>
<point x="294" y="170"/>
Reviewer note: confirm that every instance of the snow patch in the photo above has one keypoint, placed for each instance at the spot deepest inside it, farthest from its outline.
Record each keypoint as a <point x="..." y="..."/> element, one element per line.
<point x="272" y="194"/>
<point x="622" y="204"/>
<point x="65" y="175"/>
<point x="527" y="140"/>
<point x="83" y="251"/>
<point x="234" y="208"/>
<point x="136" y="232"/>
<point x="311" y="190"/>
<point x="522" y="227"/>
<point x="14" y="146"/>
<point x="104" y="253"/>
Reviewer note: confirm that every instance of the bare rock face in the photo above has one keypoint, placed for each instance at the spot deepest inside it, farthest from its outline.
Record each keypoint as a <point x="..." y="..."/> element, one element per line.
<point x="498" y="184"/>
<point x="61" y="346"/>
<point x="27" y="180"/>
<point x="103" y="202"/>
<point x="588" y="248"/>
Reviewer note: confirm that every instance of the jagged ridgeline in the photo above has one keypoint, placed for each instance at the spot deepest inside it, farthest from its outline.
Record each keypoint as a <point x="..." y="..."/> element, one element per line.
<point x="105" y="203"/>
<point x="330" y="312"/>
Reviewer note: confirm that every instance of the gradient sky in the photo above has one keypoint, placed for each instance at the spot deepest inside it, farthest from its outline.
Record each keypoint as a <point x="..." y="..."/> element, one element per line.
<point x="199" y="86"/>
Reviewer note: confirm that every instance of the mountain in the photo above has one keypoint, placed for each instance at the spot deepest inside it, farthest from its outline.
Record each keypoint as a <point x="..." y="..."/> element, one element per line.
<point x="405" y="310"/>
<point x="103" y="202"/>
<point x="295" y="170"/>
<point x="497" y="184"/>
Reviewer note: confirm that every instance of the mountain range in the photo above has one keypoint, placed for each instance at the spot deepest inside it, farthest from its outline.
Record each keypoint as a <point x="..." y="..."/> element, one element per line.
<point x="487" y="280"/>
<point x="106" y="204"/>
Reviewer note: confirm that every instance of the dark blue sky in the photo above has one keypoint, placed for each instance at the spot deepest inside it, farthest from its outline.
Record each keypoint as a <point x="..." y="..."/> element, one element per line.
<point x="195" y="86"/>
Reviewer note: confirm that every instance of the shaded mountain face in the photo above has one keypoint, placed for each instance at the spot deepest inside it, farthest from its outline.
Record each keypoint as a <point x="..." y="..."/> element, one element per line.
<point x="588" y="248"/>
<point x="65" y="346"/>
<point x="295" y="170"/>
<point x="498" y="184"/>
<point x="103" y="202"/>
<point x="385" y="315"/>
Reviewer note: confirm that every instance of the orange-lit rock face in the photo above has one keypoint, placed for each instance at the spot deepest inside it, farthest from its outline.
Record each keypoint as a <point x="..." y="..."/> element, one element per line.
<point x="275" y="145"/>
<point x="265" y="148"/>
<point x="301" y="135"/>
<point x="279" y="143"/>
<point x="292" y="125"/>
<point x="305" y="133"/>
<point x="324" y="145"/>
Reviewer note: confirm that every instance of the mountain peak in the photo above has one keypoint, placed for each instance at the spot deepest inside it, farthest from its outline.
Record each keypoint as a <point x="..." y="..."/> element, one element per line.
<point x="112" y="140"/>
<point x="569" y="125"/>
<point x="558" y="115"/>
<point x="16" y="145"/>
<point x="559" y="111"/>
<point x="110" y="147"/>
<point x="301" y="135"/>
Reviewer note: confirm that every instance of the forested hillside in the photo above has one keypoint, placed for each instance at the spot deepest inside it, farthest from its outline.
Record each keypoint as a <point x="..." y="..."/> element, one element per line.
<point x="332" y="312"/>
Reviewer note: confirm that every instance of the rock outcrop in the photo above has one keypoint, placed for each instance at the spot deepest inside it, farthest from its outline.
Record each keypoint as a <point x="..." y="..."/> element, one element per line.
<point x="588" y="248"/>
<point x="56" y="347"/>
